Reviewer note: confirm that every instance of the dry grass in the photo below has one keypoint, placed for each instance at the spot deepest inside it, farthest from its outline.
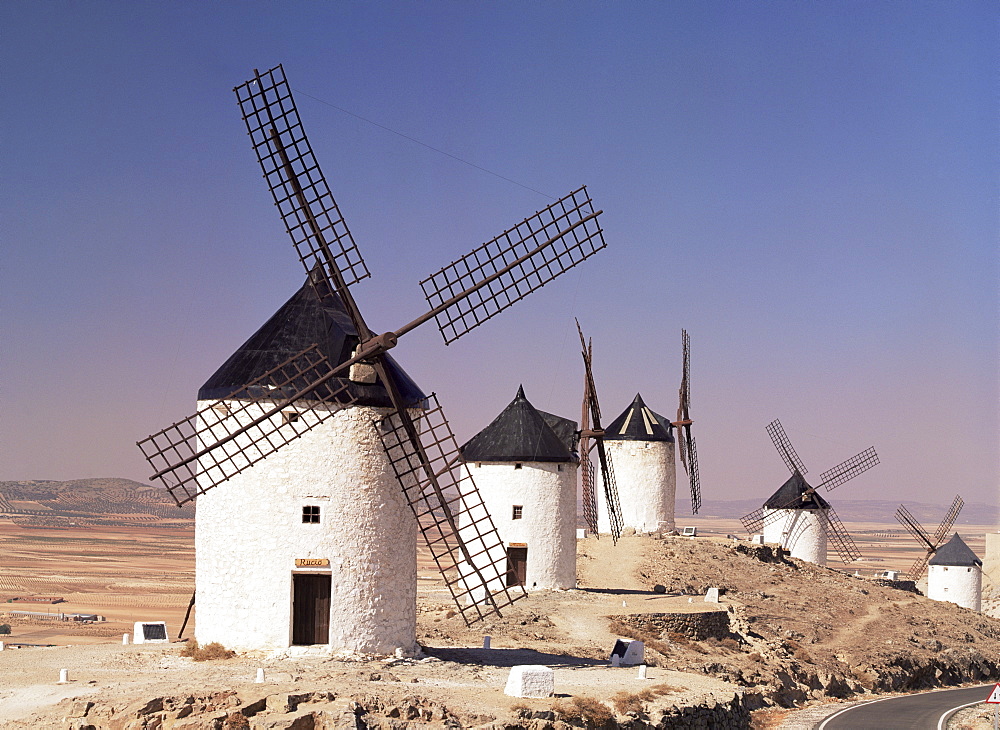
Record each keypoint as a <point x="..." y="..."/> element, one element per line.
<point x="215" y="650"/>
<point x="584" y="709"/>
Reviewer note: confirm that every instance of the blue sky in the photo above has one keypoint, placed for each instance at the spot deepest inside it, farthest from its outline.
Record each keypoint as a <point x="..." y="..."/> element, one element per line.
<point x="810" y="189"/>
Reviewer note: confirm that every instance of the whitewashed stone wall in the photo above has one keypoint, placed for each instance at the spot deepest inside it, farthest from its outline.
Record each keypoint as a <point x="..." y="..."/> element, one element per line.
<point x="547" y="496"/>
<point x="249" y="532"/>
<point x="959" y="584"/>
<point x="647" y="485"/>
<point x="800" y="531"/>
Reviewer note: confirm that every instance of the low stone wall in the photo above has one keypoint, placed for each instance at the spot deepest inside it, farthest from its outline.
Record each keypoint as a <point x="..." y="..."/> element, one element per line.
<point x="731" y="715"/>
<point x="698" y="626"/>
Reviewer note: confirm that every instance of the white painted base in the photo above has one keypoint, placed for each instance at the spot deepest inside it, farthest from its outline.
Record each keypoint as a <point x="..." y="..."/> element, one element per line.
<point x="646" y="480"/>
<point x="962" y="585"/>
<point x="249" y="532"/>
<point x="800" y="531"/>
<point x="530" y="680"/>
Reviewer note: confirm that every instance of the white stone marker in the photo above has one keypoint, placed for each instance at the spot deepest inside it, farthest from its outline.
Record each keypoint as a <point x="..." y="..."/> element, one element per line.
<point x="124" y="639"/>
<point x="634" y="653"/>
<point x="642" y="671"/>
<point x="1" y="646"/>
<point x="260" y="675"/>
<point x="63" y="676"/>
<point x="530" y="680"/>
<point x="712" y="595"/>
<point x="486" y="642"/>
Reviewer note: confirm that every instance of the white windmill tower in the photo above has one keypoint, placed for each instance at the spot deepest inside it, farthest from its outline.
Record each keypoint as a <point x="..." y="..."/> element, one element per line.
<point x="642" y="448"/>
<point x="955" y="574"/>
<point x="525" y="468"/>
<point x="640" y="442"/>
<point x="314" y="458"/>
<point x="796" y="516"/>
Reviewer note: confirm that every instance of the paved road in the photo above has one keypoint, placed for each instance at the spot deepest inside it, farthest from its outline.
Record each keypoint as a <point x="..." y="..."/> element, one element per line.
<point x="909" y="712"/>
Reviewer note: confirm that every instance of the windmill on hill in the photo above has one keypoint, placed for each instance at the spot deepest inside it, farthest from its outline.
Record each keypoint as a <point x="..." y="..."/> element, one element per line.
<point x="796" y="516"/>
<point x="315" y="459"/>
<point x="930" y="543"/>
<point x="642" y="444"/>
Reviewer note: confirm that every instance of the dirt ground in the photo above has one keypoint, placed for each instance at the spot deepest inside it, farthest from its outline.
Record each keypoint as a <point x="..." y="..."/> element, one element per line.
<point x="802" y="633"/>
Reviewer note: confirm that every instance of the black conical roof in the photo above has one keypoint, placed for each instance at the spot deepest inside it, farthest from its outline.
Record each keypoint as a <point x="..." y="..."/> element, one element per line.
<point x="789" y="496"/>
<point x="639" y="423"/>
<point x="955" y="553"/>
<point x="519" y="433"/>
<point x="302" y="321"/>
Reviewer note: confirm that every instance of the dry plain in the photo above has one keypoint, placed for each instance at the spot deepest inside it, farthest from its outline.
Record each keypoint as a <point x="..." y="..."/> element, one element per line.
<point x="128" y="572"/>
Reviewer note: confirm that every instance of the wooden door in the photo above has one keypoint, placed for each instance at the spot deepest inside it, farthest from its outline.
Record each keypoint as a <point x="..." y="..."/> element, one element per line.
<point x="310" y="608"/>
<point x="517" y="565"/>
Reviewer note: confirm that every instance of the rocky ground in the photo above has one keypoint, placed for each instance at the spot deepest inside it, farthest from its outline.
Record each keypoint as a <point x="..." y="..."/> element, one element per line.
<point x="799" y="636"/>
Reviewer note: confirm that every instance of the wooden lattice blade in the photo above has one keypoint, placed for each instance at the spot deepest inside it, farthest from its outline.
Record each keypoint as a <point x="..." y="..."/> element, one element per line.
<point x="844" y="472"/>
<point x="907" y="520"/>
<point x="311" y="216"/>
<point x="610" y="491"/>
<point x="520" y="260"/>
<point x="917" y="569"/>
<point x="839" y="537"/>
<point x="221" y="440"/>
<point x="754" y="521"/>
<point x="949" y="520"/>
<point x="784" y="447"/>
<point x="694" y="477"/>
<point x="589" y="491"/>
<point x="450" y="512"/>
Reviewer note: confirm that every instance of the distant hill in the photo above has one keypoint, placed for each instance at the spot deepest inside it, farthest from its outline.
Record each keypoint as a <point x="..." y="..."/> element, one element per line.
<point x="859" y="510"/>
<point x="90" y="502"/>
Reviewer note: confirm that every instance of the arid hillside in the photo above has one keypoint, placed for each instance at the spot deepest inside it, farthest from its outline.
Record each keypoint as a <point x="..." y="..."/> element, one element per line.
<point x="90" y="502"/>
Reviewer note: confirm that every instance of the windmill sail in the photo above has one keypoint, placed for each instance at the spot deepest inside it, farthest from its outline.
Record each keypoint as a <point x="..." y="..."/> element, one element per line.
<point x="928" y="542"/>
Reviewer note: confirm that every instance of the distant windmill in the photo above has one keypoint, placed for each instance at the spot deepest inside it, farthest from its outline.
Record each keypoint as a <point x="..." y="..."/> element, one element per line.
<point x="591" y="416"/>
<point x="323" y="462"/>
<point x="796" y="516"/>
<point x="926" y="541"/>
<point x="641" y="442"/>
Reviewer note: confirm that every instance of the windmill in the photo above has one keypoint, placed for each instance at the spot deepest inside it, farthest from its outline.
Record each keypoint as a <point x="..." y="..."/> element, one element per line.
<point x="801" y="520"/>
<point x="591" y="416"/>
<point x="928" y="542"/>
<point x="685" y="441"/>
<point x="643" y="447"/>
<point x="262" y="417"/>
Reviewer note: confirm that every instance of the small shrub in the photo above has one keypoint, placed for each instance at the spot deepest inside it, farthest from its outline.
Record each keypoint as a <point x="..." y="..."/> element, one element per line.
<point x="215" y="650"/>
<point x="626" y="702"/>
<point x="4" y="628"/>
<point x="236" y="721"/>
<point x="584" y="709"/>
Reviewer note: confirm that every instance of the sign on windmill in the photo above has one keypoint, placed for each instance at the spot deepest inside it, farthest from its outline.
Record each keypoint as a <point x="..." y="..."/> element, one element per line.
<point x="296" y="447"/>
<point x="796" y="516"/>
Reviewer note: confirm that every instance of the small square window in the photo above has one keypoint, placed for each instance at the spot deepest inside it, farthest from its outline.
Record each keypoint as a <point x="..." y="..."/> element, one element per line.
<point x="517" y="512"/>
<point x="221" y="408"/>
<point x="310" y="513"/>
<point x="517" y="466"/>
<point x="289" y="417"/>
